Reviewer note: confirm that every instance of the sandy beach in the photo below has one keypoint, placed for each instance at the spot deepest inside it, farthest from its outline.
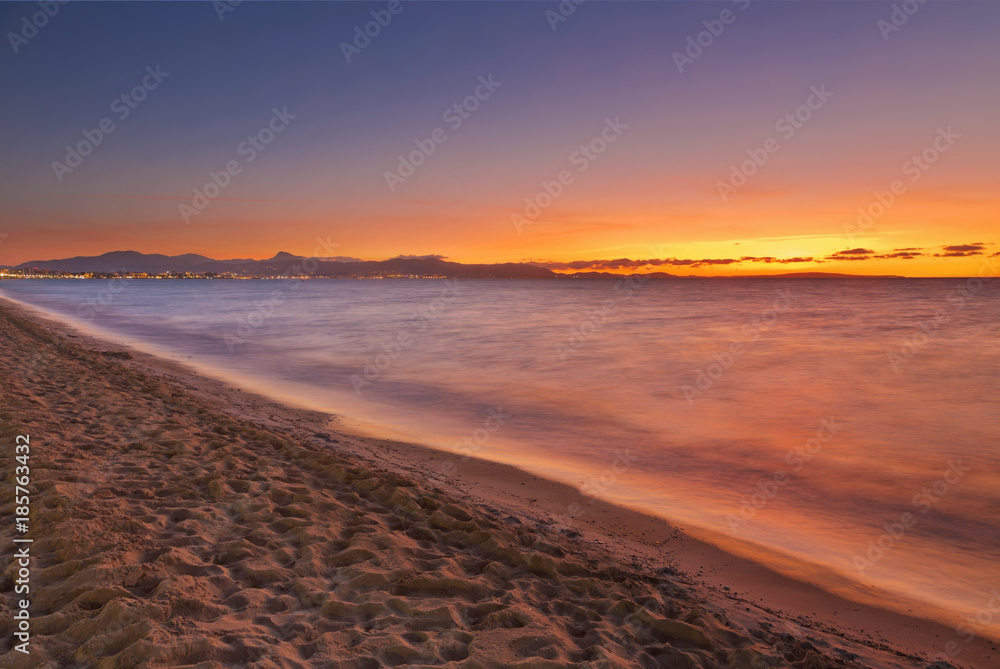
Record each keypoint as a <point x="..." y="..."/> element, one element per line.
<point x="180" y="522"/>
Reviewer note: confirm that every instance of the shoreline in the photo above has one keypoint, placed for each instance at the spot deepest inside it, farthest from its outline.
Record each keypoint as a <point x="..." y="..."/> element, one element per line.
<point x="749" y="593"/>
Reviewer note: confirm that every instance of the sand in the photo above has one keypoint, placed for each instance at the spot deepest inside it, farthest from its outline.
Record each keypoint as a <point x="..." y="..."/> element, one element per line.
<point x="179" y="522"/>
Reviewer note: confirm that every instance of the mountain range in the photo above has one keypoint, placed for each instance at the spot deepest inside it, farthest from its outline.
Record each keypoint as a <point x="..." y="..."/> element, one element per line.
<point x="284" y="263"/>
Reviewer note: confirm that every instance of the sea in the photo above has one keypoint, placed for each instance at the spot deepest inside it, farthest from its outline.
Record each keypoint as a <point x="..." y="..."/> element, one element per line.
<point x="845" y="431"/>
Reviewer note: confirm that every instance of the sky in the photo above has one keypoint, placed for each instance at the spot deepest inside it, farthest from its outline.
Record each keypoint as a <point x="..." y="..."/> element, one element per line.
<point x="689" y="137"/>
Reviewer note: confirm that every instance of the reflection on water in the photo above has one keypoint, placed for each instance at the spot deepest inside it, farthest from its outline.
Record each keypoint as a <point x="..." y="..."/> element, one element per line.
<point x="849" y="424"/>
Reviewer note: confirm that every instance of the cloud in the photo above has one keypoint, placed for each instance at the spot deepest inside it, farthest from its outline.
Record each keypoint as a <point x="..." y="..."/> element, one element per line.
<point x="909" y="253"/>
<point x="639" y="264"/>
<point x="903" y="255"/>
<point x="962" y="250"/>
<point x="852" y="254"/>
<point x="619" y="263"/>
<point x="771" y="259"/>
<point x="429" y="256"/>
<point x="627" y="263"/>
<point x="868" y="254"/>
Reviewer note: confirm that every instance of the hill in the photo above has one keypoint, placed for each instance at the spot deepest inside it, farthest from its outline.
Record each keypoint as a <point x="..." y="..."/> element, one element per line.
<point x="284" y="263"/>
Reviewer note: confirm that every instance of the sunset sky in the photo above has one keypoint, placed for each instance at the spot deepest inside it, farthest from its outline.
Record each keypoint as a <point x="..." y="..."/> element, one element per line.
<point x="910" y="105"/>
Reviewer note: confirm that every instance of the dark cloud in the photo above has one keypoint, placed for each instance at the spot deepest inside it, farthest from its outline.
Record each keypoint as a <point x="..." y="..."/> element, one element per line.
<point x="626" y="263"/>
<point x="620" y="263"/>
<point x="853" y="252"/>
<point x="904" y="255"/>
<point x="772" y="259"/>
<point x="429" y="256"/>
<point x="908" y="253"/>
<point x="962" y="250"/>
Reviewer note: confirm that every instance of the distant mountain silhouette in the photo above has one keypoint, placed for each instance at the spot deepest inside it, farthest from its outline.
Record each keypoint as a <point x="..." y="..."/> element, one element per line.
<point x="287" y="263"/>
<point x="284" y="263"/>
<point x="131" y="261"/>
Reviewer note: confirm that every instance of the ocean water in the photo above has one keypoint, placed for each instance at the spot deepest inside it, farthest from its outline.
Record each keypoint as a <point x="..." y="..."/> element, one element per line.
<point x="844" y="429"/>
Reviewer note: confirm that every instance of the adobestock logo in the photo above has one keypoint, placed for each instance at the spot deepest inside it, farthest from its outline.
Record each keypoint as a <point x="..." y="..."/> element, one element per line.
<point x="562" y="13"/>
<point x="724" y="360"/>
<point x="31" y="25"/>
<point x="223" y="7"/>
<point x="786" y="126"/>
<point x="391" y="349"/>
<point x="250" y="147"/>
<point x="922" y="502"/>
<point x="767" y="489"/>
<point x="914" y="168"/>
<point x="696" y="44"/>
<point x="972" y="626"/>
<point x="581" y="159"/>
<point x="122" y="106"/>
<point x="455" y="116"/>
<point x="363" y="36"/>
<point x="899" y="17"/>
